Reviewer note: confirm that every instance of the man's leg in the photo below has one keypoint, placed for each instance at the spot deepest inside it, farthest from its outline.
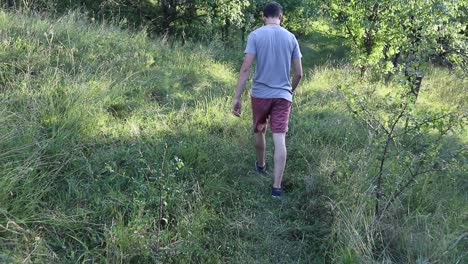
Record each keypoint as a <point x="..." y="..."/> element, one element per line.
<point x="260" y="110"/>
<point x="259" y="142"/>
<point x="279" y="140"/>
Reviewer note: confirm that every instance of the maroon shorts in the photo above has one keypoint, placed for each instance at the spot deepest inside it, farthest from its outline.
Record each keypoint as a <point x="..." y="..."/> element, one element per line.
<point x="275" y="109"/>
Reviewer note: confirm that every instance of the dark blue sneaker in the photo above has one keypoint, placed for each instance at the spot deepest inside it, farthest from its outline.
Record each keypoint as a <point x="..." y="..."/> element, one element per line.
<point x="260" y="169"/>
<point x="276" y="192"/>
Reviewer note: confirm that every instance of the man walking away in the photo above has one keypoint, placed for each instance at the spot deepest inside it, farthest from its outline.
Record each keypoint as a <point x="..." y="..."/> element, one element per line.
<point x="275" y="49"/>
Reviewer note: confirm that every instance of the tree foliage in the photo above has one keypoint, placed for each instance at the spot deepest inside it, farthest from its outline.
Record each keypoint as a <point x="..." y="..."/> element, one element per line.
<point x="403" y="35"/>
<point x="184" y="19"/>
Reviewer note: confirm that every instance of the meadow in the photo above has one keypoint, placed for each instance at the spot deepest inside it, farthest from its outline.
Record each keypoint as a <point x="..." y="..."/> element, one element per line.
<point x="117" y="147"/>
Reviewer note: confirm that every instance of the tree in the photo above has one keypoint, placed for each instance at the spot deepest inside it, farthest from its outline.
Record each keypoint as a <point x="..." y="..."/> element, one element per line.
<point x="402" y="38"/>
<point x="363" y="23"/>
<point x="385" y="34"/>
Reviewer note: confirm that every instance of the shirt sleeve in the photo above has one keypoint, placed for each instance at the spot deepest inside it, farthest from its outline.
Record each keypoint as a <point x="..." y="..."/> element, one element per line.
<point x="296" y="54"/>
<point x="250" y="48"/>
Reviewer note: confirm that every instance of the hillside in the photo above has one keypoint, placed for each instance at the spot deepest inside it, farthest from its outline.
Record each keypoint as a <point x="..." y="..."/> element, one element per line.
<point x="120" y="148"/>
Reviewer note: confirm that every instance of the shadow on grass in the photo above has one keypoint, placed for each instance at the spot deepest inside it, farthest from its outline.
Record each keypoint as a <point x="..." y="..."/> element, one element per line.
<point x="258" y="228"/>
<point x="319" y="48"/>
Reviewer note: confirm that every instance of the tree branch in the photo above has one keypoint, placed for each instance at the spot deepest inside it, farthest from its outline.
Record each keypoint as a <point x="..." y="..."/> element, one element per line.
<point x="378" y="179"/>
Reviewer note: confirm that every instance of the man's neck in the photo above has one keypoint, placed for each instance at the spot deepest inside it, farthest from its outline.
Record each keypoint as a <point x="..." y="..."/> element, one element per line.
<point x="272" y="21"/>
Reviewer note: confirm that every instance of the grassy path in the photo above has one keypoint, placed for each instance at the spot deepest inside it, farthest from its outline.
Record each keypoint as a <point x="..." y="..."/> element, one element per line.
<point x="290" y="230"/>
<point x="296" y="228"/>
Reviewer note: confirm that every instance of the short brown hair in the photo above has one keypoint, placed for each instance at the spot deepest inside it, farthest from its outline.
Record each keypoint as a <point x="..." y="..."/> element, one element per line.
<point x="272" y="10"/>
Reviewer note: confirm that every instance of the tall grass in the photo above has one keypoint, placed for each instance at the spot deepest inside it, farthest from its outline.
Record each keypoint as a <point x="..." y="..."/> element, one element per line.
<point x="120" y="148"/>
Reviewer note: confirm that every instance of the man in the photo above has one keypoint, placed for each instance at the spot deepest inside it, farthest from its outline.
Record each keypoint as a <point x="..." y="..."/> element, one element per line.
<point x="275" y="49"/>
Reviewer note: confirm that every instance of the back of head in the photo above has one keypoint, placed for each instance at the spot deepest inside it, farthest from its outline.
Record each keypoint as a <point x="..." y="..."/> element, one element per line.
<point x="272" y="10"/>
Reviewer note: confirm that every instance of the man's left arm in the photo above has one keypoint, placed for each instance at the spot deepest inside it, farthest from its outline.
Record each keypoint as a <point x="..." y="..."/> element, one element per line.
<point x="296" y="65"/>
<point x="297" y="68"/>
<point x="243" y="76"/>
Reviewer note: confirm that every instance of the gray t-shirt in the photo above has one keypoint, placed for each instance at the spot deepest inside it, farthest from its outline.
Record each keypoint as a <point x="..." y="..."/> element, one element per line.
<point x="274" y="47"/>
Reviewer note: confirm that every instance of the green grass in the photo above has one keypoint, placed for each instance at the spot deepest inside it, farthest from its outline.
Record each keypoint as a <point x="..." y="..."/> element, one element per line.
<point x="102" y="129"/>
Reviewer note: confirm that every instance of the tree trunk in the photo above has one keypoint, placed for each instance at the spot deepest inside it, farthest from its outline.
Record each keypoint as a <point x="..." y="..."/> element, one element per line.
<point x="11" y="3"/>
<point x="169" y="13"/>
<point x="192" y="11"/>
<point x="396" y="59"/>
<point x="214" y="15"/>
<point x="227" y="25"/>
<point x="243" y="34"/>
<point x="166" y="16"/>
<point x="363" y="70"/>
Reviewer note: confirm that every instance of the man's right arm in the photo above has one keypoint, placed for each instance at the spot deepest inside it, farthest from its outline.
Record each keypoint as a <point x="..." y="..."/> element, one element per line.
<point x="297" y="68"/>
<point x="243" y="76"/>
